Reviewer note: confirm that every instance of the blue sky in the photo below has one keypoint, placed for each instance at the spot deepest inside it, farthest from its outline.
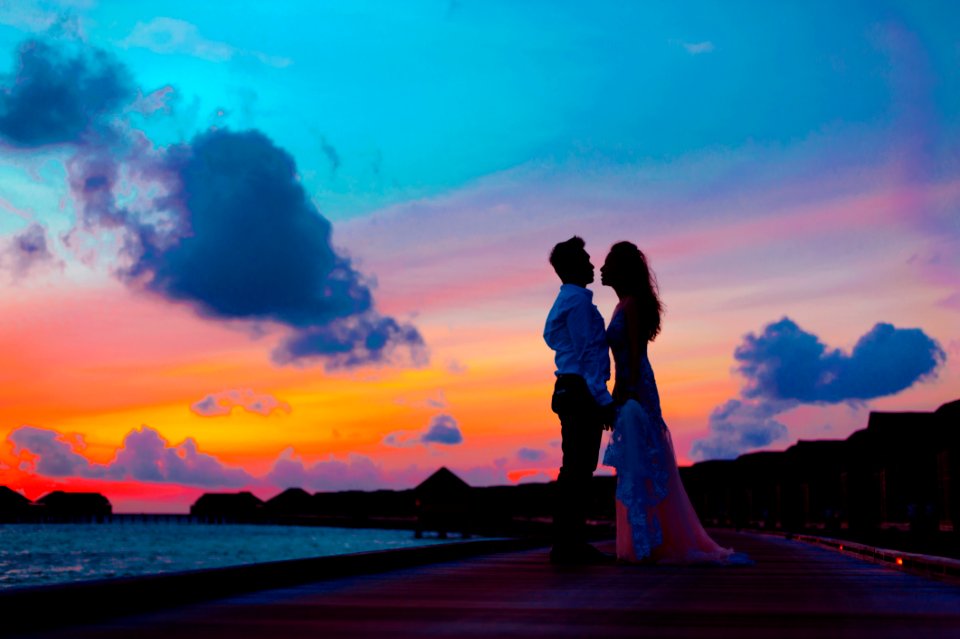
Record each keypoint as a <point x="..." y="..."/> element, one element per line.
<point x="417" y="97"/>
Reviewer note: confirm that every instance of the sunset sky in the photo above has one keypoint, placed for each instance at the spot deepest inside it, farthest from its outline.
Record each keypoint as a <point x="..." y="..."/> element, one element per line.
<point x="252" y="245"/>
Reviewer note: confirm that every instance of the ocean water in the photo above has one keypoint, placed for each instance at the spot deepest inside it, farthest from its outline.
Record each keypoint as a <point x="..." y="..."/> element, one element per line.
<point x="38" y="554"/>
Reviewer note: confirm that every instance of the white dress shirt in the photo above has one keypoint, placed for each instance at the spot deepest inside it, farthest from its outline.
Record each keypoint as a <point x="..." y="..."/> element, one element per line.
<point x="574" y="330"/>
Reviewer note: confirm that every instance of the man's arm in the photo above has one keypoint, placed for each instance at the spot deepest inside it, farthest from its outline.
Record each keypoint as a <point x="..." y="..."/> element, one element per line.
<point x="582" y="329"/>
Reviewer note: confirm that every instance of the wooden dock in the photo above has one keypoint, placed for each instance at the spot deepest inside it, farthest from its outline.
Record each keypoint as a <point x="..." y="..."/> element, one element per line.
<point x="794" y="590"/>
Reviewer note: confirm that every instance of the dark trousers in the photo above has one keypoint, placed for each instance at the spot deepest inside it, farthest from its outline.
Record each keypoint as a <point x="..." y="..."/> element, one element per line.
<point x="581" y="429"/>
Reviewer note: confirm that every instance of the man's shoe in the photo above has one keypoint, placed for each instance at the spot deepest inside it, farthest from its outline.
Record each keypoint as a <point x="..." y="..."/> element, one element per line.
<point x="563" y="555"/>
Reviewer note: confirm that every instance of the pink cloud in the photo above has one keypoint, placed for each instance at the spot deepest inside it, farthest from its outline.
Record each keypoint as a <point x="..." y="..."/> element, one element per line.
<point x="356" y="472"/>
<point x="148" y="460"/>
<point x="144" y="456"/>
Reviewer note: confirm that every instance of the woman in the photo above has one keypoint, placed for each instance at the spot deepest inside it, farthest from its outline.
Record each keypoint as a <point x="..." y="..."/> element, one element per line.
<point x="655" y="520"/>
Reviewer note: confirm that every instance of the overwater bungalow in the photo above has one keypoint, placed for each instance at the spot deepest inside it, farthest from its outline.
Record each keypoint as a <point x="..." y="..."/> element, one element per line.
<point x="444" y="503"/>
<point x="61" y="505"/>
<point x="222" y="507"/>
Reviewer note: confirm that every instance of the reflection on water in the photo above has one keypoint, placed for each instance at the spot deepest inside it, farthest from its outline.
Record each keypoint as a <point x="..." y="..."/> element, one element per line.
<point x="36" y="554"/>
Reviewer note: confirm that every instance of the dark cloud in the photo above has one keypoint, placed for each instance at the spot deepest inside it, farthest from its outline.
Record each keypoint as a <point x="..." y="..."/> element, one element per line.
<point x="785" y="362"/>
<point x="223" y="403"/>
<point x="737" y="427"/>
<point x="369" y="338"/>
<point x="221" y="223"/>
<point x="357" y="472"/>
<point x="145" y="456"/>
<point x="785" y="366"/>
<point x="442" y="429"/>
<point x="252" y="246"/>
<point x="61" y="94"/>
<point x="531" y="454"/>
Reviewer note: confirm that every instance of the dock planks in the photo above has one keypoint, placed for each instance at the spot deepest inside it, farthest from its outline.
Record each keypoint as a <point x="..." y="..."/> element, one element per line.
<point x="794" y="590"/>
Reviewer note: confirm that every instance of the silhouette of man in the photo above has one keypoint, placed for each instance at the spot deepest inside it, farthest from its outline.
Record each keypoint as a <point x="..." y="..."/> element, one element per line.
<point x="575" y="331"/>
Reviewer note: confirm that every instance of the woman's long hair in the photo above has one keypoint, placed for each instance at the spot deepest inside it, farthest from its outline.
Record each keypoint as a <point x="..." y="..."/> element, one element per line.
<point x="639" y="281"/>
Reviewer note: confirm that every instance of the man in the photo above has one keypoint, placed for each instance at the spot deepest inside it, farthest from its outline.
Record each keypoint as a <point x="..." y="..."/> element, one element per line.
<point x="575" y="331"/>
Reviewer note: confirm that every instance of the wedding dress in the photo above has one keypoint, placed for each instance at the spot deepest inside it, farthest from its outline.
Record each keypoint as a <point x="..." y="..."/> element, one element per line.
<point x="655" y="520"/>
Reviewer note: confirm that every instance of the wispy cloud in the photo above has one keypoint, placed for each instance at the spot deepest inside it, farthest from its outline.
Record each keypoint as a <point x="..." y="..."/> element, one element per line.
<point x="223" y="403"/>
<point x="531" y="454"/>
<point x="697" y="48"/>
<point x="27" y="251"/>
<point x="169" y="36"/>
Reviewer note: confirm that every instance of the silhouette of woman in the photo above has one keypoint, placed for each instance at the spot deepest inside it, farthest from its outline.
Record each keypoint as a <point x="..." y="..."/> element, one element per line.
<point x="655" y="520"/>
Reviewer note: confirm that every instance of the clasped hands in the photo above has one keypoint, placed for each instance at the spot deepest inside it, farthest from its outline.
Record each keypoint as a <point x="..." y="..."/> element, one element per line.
<point x="608" y="413"/>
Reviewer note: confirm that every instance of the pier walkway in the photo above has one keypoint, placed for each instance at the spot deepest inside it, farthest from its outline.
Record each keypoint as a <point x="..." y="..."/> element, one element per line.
<point x="794" y="590"/>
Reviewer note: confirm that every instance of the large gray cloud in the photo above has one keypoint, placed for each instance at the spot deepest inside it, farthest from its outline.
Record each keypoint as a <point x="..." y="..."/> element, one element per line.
<point x="785" y="366"/>
<point x="221" y="222"/>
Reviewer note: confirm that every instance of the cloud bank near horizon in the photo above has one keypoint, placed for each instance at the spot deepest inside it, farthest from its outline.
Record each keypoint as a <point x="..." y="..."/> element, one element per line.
<point x="785" y="366"/>
<point x="144" y="456"/>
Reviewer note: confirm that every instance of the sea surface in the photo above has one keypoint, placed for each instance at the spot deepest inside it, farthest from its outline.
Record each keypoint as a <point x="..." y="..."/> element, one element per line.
<point x="38" y="554"/>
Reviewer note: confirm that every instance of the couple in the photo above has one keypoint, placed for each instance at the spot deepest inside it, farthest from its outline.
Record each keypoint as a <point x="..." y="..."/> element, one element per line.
<point x="655" y="520"/>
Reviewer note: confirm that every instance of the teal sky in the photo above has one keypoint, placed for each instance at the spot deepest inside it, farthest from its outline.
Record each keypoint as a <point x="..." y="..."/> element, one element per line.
<point x="416" y="98"/>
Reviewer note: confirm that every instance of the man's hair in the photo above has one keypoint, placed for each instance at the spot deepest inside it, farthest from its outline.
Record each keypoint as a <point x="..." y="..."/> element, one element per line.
<point x="566" y="256"/>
